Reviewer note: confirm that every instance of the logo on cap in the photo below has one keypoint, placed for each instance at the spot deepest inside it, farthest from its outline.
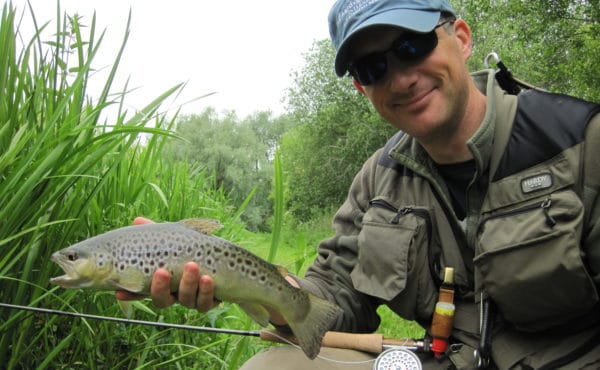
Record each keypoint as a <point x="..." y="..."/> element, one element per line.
<point x="352" y="7"/>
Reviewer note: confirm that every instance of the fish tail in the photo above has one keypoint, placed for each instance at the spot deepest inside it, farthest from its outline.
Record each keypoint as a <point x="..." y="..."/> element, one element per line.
<point x="310" y="330"/>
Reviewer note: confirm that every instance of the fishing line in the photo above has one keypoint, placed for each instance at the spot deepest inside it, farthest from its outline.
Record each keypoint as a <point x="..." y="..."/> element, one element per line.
<point x="329" y="359"/>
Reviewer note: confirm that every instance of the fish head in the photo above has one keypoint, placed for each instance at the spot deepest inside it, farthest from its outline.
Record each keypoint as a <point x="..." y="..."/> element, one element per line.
<point x="83" y="267"/>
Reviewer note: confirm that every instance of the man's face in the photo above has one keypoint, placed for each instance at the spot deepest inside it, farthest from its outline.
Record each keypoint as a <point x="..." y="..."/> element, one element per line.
<point x="426" y="98"/>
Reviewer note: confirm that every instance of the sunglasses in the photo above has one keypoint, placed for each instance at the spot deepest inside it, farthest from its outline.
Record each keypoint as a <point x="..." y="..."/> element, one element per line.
<point x="409" y="47"/>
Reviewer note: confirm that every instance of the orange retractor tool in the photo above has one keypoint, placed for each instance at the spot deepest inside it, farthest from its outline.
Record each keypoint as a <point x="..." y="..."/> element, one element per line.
<point x="443" y="315"/>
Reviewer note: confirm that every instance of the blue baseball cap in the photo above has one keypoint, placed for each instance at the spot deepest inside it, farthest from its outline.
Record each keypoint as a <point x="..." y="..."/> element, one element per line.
<point x="348" y="17"/>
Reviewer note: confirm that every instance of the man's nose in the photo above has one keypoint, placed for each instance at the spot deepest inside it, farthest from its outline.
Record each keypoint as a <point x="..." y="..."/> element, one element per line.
<point x="401" y="75"/>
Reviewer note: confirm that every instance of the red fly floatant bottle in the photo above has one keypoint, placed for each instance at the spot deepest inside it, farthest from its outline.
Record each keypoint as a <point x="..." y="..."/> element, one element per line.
<point x="443" y="315"/>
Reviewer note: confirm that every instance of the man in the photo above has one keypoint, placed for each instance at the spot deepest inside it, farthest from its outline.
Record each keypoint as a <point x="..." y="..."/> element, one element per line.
<point x="502" y="188"/>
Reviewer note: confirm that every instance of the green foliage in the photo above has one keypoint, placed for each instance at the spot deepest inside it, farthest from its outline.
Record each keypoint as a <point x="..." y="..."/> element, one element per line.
<point x="277" y="209"/>
<point x="238" y="153"/>
<point x="66" y="176"/>
<point x="551" y="44"/>
<point x="337" y="132"/>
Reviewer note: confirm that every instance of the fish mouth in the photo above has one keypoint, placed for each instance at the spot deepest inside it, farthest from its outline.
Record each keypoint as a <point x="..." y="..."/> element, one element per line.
<point x="71" y="276"/>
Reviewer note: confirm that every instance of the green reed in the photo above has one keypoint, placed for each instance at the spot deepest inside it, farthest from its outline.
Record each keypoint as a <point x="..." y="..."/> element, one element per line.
<point x="66" y="173"/>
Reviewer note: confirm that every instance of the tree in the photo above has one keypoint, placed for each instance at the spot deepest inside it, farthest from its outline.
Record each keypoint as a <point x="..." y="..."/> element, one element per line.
<point x="337" y="131"/>
<point x="239" y="153"/>
<point x="553" y="44"/>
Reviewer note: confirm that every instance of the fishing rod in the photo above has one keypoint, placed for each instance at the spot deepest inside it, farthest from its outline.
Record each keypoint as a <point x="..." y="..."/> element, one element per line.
<point x="372" y="343"/>
<point x="131" y="321"/>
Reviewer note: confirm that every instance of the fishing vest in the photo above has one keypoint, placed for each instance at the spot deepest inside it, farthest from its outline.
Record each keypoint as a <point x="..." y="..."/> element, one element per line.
<point x="528" y="258"/>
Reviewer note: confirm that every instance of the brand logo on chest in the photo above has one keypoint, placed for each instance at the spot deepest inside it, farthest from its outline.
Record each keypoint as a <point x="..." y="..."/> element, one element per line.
<point x="537" y="182"/>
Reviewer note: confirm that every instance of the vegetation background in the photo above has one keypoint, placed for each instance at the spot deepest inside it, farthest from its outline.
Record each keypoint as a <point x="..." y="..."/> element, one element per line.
<point x="67" y="173"/>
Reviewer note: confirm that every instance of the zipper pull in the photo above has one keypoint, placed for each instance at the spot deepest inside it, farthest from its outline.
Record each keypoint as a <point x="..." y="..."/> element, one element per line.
<point x="550" y="221"/>
<point x="401" y="212"/>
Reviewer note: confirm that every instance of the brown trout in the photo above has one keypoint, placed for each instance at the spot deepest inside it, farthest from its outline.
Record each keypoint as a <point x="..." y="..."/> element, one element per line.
<point x="126" y="259"/>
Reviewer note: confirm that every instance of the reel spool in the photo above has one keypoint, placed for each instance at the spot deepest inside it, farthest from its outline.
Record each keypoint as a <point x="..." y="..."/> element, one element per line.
<point x="397" y="359"/>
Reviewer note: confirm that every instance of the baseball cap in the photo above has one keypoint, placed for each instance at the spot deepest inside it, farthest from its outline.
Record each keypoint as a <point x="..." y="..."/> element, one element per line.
<point x="348" y="17"/>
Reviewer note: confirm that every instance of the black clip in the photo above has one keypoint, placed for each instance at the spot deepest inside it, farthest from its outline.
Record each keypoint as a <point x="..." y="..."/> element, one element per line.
<point x="504" y="77"/>
<point x="487" y="315"/>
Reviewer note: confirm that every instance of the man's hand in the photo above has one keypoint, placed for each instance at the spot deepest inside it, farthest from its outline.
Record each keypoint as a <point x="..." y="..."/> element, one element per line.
<point x="195" y="289"/>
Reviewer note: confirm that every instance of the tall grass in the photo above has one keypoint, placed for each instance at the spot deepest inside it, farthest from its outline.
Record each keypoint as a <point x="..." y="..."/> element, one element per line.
<point x="66" y="175"/>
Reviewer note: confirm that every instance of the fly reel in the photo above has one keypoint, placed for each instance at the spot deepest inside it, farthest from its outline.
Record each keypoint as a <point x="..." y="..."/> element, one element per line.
<point x="397" y="359"/>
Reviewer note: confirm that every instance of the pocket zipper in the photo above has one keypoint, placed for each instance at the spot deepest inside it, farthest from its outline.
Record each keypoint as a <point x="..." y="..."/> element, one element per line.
<point x="419" y="212"/>
<point x="544" y="205"/>
<point x="402" y="212"/>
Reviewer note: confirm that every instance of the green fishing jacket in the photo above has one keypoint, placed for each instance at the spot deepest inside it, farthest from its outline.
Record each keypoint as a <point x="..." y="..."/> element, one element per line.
<point x="530" y="241"/>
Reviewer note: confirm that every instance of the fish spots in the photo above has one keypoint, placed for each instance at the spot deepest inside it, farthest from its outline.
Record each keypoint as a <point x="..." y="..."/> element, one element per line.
<point x="102" y="259"/>
<point x="210" y="264"/>
<point x="167" y="246"/>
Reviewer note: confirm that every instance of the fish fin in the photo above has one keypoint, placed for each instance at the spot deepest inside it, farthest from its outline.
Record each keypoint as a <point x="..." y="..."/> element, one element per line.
<point x="126" y="308"/>
<point x="282" y="270"/>
<point x="131" y="280"/>
<point x="202" y="225"/>
<point x="310" y="330"/>
<point x="257" y="312"/>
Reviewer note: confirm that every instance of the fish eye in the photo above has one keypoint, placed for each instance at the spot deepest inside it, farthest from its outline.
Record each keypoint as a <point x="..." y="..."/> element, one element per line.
<point x="72" y="256"/>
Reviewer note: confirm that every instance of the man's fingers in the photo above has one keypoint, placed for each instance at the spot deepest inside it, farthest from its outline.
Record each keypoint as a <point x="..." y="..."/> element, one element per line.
<point x="188" y="286"/>
<point x="160" y="289"/>
<point x="206" y="296"/>
<point x="142" y="220"/>
<point x="195" y="290"/>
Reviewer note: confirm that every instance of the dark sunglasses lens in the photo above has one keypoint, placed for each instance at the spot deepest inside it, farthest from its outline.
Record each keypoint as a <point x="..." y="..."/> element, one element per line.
<point x="408" y="48"/>
<point x="414" y="46"/>
<point x="369" y="69"/>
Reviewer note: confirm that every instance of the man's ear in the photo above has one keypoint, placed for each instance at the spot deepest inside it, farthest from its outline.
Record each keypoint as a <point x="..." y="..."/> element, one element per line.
<point x="358" y="86"/>
<point x="463" y="33"/>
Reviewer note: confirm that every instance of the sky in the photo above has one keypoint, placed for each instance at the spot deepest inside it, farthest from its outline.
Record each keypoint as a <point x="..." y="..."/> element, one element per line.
<point x="242" y="51"/>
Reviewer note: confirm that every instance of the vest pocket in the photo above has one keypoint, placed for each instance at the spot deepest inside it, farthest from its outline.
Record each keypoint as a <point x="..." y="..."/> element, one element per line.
<point x="392" y="257"/>
<point x="528" y="260"/>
